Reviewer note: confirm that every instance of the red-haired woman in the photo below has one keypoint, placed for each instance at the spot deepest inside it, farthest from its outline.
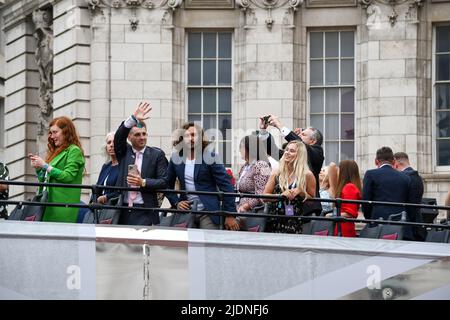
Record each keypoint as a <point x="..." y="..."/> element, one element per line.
<point x="64" y="163"/>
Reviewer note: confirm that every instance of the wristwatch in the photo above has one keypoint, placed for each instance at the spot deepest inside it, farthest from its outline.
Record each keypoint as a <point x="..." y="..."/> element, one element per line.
<point x="144" y="183"/>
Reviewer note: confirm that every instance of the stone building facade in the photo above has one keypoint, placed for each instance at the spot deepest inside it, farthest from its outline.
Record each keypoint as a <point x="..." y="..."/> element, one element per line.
<point x="366" y="72"/>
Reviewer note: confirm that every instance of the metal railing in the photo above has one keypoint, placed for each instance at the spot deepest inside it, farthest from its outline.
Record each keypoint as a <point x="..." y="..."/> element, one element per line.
<point x="338" y="218"/>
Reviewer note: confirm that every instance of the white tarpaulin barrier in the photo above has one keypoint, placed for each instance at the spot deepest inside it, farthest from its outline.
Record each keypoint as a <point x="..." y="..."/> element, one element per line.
<point x="80" y="261"/>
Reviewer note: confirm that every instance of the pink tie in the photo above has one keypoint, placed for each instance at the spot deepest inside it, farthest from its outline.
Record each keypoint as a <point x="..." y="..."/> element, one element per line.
<point x="132" y="195"/>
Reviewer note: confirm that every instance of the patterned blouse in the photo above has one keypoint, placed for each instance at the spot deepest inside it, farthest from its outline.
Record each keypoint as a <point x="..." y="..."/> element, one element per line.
<point x="252" y="179"/>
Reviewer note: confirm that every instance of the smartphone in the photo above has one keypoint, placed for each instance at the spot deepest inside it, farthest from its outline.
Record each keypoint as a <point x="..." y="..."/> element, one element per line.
<point x="132" y="168"/>
<point x="266" y="119"/>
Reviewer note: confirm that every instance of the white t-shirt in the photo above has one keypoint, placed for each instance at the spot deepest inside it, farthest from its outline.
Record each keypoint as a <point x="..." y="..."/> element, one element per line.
<point x="189" y="182"/>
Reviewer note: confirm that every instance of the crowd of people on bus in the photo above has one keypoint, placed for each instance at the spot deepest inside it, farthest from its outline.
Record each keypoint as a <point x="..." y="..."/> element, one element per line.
<point x="296" y="172"/>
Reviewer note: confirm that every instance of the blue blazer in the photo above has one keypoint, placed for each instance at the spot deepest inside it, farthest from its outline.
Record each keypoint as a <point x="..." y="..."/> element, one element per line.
<point x="207" y="177"/>
<point x="113" y="172"/>
<point x="386" y="184"/>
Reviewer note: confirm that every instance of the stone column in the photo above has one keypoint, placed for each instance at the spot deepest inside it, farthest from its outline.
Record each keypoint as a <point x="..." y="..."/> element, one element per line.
<point x="175" y="34"/>
<point x="268" y="68"/>
<point x="71" y="81"/>
<point x="2" y="82"/>
<point x="137" y="54"/>
<point x="389" y="82"/>
<point x="43" y="33"/>
<point x="21" y="98"/>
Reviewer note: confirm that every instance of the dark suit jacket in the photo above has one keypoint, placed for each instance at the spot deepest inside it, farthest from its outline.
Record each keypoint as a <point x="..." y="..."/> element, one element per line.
<point x="154" y="168"/>
<point x="387" y="184"/>
<point x="207" y="177"/>
<point x="416" y="197"/>
<point x="315" y="155"/>
<point x="416" y="185"/>
<point x="112" y="172"/>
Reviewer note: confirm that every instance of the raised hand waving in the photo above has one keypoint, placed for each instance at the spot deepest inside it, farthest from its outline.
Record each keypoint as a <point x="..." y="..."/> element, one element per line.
<point x="142" y="111"/>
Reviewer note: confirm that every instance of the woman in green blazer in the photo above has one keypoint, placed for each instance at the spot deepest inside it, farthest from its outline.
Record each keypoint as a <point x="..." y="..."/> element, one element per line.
<point x="64" y="163"/>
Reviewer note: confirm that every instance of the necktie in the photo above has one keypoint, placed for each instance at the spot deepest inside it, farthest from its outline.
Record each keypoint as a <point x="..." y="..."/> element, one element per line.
<point x="132" y="195"/>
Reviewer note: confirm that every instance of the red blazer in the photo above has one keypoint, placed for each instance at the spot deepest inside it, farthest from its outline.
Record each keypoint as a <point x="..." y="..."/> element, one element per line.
<point x="349" y="192"/>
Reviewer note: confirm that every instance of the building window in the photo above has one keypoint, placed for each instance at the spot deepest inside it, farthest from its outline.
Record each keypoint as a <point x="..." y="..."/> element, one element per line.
<point x="332" y="91"/>
<point x="442" y="93"/>
<point x="209" y="86"/>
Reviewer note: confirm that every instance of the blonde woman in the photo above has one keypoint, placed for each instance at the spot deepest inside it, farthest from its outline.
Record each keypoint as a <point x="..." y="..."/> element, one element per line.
<point x="109" y="172"/>
<point x="328" y="183"/>
<point x="295" y="181"/>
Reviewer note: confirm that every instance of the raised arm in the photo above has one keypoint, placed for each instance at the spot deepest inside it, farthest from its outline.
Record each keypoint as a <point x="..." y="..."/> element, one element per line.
<point x="140" y="114"/>
<point x="271" y="147"/>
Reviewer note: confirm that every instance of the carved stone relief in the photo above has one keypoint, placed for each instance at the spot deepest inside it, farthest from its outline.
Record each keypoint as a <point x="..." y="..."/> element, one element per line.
<point x="166" y="19"/>
<point x="330" y="3"/>
<point x="248" y="7"/>
<point x="209" y="4"/>
<point x="374" y="12"/>
<point x="44" y="59"/>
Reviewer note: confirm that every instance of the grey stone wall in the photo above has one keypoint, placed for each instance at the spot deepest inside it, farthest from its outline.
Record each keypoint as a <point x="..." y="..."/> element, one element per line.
<point x="142" y="65"/>
<point x="21" y="94"/>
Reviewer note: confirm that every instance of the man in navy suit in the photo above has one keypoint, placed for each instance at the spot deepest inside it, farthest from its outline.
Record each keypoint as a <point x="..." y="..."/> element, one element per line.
<point x="151" y="165"/>
<point x="402" y="164"/>
<point x="198" y="168"/>
<point x="386" y="184"/>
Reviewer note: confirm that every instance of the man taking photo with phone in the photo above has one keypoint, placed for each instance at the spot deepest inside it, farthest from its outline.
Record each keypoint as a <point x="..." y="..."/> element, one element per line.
<point x="311" y="137"/>
<point x="140" y="166"/>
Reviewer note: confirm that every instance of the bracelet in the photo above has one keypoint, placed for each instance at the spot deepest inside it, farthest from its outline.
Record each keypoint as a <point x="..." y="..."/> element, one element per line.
<point x="138" y="124"/>
<point x="45" y="167"/>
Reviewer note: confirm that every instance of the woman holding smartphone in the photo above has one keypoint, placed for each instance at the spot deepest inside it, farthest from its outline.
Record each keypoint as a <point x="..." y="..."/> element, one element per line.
<point x="64" y="163"/>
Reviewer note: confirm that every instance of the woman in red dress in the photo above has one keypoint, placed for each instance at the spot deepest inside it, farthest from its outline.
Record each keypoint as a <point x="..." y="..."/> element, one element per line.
<point x="348" y="188"/>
